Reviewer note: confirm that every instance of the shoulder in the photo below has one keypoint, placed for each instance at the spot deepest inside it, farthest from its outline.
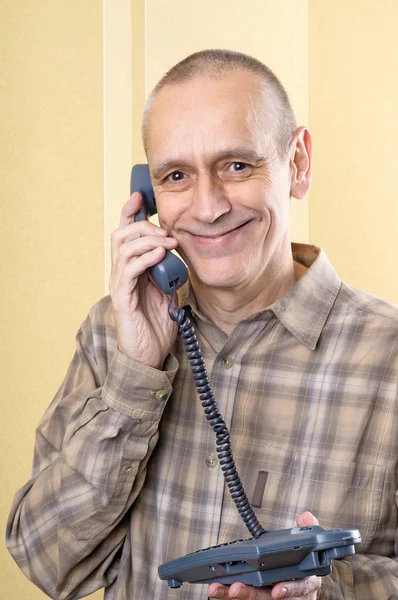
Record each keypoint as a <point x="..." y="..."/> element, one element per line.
<point x="369" y="307"/>
<point x="369" y="326"/>
<point x="101" y="314"/>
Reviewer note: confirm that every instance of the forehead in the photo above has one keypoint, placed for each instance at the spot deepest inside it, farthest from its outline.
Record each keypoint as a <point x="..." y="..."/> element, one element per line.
<point x="205" y="115"/>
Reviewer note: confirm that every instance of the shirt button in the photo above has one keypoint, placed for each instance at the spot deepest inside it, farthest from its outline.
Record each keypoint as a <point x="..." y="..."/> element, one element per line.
<point x="161" y="395"/>
<point x="228" y="363"/>
<point x="129" y="470"/>
<point x="211" y="461"/>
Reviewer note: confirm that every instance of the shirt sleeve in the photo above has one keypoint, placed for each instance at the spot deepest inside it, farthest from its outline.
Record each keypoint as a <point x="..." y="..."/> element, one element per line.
<point x="68" y="523"/>
<point x="362" y="576"/>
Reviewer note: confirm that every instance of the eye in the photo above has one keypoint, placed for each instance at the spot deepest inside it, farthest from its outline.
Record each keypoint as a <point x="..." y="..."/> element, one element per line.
<point x="237" y="167"/>
<point x="175" y="176"/>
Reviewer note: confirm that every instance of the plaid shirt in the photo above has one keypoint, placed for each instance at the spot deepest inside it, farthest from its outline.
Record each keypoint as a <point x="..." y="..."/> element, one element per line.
<point x="125" y="475"/>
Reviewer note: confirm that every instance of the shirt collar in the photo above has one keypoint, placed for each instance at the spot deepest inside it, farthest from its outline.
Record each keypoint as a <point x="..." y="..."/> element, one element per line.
<point x="305" y="309"/>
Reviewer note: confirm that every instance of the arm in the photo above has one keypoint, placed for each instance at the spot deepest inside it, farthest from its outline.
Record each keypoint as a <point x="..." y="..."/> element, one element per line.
<point x="68" y="523"/>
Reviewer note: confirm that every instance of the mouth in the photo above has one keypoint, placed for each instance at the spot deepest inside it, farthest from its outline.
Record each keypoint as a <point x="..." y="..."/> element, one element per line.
<point x="219" y="238"/>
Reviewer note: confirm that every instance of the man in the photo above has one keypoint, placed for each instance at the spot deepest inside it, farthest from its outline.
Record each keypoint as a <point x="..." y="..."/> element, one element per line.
<point x="304" y="369"/>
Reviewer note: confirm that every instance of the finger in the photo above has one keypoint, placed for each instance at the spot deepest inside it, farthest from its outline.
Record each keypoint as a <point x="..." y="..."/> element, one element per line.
<point x="306" y="519"/>
<point x="132" y="232"/>
<point x="131" y="251"/>
<point x="298" y="588"/>
<point x="248" y="592"/>
<point x="125" y="282"/>
<point x="140" y="246"/>
<point x="131" y="207"/>
<point x="310" y="596"/>
<point x="217" y="590"/>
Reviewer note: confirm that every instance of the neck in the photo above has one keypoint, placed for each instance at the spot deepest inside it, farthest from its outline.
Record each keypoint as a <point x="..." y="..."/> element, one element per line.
<point x="226" y="307"/>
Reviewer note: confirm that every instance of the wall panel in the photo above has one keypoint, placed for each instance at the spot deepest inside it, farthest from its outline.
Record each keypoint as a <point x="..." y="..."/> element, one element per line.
<point x="51" y="161"/>
<point x="354" y="120"/>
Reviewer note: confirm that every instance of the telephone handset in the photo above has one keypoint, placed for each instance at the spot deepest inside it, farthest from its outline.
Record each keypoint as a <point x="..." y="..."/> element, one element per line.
<point x="267" y="557"/>
<point x="170" y="272"/>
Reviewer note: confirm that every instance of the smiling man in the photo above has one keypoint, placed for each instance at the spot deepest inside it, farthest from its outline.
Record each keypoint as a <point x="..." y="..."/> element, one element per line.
<point x="304" y="369"/>
<point x="223" y="188"/>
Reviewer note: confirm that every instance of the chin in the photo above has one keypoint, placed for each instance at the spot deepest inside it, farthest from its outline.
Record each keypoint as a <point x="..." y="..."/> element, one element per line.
<point x="219" y="276"/>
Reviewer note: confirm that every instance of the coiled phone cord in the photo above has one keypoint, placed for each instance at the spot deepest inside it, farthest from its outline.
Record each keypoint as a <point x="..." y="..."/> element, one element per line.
<point x="213" y="415"/>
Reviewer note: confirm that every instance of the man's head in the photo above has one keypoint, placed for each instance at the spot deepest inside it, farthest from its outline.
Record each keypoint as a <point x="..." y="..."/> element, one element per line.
<point x="216" y="64"/>
<point x="225" y="156"/>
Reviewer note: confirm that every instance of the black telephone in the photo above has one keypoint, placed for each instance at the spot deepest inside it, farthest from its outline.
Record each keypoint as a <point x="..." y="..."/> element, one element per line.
<point x="267" y="557"/>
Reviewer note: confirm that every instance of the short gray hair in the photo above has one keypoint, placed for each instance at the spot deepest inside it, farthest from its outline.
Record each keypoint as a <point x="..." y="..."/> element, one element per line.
<point x="215" y="64"/>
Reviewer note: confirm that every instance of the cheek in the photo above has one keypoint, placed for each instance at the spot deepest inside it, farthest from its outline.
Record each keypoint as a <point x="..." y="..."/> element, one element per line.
<point x="274" y="205"/>
<point x="256" y="195"/>
<point x="169" y="210"/>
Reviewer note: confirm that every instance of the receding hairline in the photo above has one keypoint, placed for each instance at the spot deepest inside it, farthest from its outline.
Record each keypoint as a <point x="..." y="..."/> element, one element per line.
<point x="218" y="64"/>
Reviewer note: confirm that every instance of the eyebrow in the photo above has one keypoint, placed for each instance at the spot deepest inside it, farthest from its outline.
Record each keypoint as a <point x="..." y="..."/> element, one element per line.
<point x="244" y="154"/>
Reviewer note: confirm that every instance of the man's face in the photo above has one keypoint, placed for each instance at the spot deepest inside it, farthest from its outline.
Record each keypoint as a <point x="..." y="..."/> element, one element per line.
<point x="220" y="187"/>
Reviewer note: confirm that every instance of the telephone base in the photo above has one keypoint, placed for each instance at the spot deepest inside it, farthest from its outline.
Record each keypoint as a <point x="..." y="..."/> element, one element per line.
<point x="276" y="556"/>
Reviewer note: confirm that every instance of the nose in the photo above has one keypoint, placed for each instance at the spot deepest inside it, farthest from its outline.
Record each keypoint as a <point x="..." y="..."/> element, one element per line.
<point x="209" y="200"/>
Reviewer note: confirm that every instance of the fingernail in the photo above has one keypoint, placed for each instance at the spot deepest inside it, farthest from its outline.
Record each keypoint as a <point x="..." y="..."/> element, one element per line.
<point x="160" y="230"/>
<point x="282" y="593"/>
<point x="218" y="594"/>
<point x="240" y="593"/>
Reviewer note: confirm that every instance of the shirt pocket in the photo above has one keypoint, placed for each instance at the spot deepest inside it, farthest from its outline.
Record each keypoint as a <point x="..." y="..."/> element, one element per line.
<point x="339" y="493"/>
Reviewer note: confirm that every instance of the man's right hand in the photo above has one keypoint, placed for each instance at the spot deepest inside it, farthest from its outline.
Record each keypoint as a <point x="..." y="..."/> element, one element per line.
<point x="144" y="329"/>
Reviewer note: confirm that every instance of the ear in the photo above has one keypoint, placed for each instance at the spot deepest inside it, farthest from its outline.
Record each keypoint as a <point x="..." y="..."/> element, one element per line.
<point x="300" y="163"/>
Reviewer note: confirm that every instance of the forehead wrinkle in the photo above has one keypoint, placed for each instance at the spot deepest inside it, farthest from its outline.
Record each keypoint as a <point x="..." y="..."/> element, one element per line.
<point x="250" y="124"/>
<point x="262" y="118"/>
<point x="205" y="151"/>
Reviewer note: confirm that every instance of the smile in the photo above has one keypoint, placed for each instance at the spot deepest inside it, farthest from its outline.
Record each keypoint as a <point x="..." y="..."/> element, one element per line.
<point x="219" y="238"/>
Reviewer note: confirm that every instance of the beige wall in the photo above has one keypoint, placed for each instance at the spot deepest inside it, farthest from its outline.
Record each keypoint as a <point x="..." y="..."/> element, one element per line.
<point x="354" y="119"/>
<point x="75" y="76"/>
<point x="51" y="158"/>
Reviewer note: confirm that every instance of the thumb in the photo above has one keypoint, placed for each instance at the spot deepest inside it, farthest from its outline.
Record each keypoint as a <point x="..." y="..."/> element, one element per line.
<point x="307" y="519"/>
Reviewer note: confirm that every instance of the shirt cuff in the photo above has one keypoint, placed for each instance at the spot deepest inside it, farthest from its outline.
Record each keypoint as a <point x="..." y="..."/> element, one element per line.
<point x="137" y="390"/>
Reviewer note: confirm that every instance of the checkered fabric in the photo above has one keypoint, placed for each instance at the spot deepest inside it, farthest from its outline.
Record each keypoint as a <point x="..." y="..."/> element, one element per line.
<point x="123" y="474"/>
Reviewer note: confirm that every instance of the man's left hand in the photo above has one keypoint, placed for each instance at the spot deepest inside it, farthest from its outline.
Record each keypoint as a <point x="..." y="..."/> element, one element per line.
<point x="301" y="589"/>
